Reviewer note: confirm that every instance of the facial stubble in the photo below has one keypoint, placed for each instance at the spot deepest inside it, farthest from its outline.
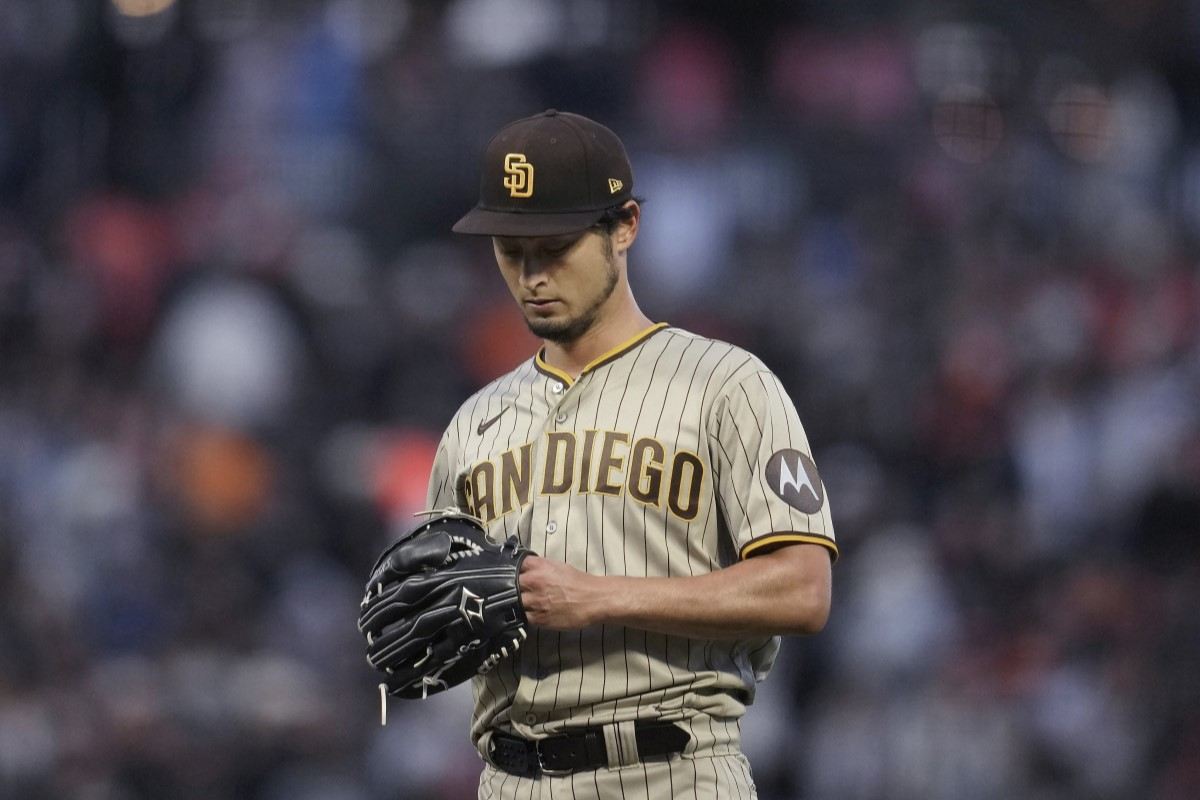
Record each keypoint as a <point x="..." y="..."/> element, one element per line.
<point x="567" y="331"/>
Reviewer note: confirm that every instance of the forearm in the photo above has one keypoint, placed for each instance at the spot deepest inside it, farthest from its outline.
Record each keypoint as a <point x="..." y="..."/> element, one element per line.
<point x="778" y="593"/>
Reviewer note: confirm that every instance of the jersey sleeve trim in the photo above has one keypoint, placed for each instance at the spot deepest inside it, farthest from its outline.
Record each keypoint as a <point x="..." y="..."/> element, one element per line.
<point x="771" y="541"/>
<point x="539" y="360"/>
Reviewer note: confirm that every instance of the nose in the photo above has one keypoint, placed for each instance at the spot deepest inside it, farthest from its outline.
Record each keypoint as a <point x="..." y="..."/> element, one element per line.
<point x="533" y="270"/>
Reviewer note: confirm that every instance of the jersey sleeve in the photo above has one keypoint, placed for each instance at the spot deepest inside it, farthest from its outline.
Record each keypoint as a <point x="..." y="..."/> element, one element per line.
<point x="443" y="476"/>
<point x="766" y="480"/>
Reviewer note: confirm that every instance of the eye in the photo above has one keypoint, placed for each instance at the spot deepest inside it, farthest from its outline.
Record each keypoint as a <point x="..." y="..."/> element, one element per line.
<point x="558" y="248"/>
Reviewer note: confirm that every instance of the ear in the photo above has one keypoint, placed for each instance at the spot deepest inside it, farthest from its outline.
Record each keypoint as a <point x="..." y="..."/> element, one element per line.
<point x="627" y="230"/>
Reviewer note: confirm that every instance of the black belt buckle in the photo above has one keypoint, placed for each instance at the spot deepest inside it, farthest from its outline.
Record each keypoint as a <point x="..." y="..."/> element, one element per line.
<point x="540" y="757"/>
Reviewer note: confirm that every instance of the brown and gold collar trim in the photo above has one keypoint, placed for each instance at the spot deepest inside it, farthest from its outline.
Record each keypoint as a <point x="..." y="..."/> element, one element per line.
<point x="539" y="360"/>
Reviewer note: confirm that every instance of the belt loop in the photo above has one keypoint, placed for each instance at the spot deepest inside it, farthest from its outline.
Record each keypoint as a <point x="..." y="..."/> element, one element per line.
<point x="487" y="746"/>
<point x="620" y="742"/>
<point x="627" y="732"/>
<point x="612" y="746"/>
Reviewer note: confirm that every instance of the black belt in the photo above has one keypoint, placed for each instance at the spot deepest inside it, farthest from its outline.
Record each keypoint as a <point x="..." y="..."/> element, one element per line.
<point x="580" y="750"/>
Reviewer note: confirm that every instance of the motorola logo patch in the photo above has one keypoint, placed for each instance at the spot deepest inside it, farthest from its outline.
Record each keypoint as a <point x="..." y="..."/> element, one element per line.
<point x="793" y="476"/>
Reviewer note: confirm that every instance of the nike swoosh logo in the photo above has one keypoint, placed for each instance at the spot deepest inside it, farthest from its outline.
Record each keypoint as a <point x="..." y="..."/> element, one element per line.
<point x="483" y="426"/>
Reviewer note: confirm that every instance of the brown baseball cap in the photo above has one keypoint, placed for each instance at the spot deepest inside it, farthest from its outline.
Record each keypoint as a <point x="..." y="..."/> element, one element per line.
<point x="548" y="174"/>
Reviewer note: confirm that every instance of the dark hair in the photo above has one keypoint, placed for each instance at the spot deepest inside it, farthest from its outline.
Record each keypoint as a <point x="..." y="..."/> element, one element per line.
<point x="614" y="215"/>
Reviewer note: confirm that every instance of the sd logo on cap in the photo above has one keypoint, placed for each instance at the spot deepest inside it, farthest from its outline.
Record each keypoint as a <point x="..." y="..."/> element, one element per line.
<point x="581" y="168"/>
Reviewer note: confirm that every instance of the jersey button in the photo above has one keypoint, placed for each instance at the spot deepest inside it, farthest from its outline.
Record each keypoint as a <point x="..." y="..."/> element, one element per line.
<point x="551" y="527"/>
<point x="561" y="418"/>
<point x="531" y="719"/>
<point x="556" y="387"/>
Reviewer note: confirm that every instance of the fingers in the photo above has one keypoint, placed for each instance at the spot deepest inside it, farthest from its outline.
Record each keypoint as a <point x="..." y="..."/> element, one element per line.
<point x="534" y="589"/>
<point x="401" y="644"/>
<point x="556" y="596"/>
<point x="414" y="555"/>
<point x="385" y="604"/>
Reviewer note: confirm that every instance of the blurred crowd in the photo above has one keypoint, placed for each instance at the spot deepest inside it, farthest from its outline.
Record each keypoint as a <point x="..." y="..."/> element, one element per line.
<point x="233" y="323"/>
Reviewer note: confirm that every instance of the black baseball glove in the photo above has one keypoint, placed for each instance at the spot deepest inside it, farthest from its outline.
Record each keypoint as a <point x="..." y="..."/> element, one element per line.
<point x="442" y="604"/>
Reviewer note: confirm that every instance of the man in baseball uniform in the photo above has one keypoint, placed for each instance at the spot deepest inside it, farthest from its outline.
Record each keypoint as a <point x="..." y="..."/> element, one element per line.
<point x="664" y="478"/>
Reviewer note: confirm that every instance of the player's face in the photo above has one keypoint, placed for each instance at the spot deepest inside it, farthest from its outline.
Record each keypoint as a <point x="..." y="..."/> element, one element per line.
<point x="561" y="283"/>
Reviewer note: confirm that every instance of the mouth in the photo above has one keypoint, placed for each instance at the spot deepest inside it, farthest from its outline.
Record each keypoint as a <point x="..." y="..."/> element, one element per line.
<point x="540" y="303"/>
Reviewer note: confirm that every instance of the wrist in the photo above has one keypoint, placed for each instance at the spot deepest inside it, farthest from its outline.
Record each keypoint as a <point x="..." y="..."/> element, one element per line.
<point x="603" y="598"/>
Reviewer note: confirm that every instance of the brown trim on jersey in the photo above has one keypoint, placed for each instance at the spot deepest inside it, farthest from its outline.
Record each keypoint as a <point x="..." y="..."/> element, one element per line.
<point x="770" y="541"/>
<point x="549" y="371"/>
<point x="539" y="360"/>
<point x="624" y="347"/>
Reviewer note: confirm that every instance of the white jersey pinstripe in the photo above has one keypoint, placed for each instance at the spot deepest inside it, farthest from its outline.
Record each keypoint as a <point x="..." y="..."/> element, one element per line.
<point x="671" y="455"/>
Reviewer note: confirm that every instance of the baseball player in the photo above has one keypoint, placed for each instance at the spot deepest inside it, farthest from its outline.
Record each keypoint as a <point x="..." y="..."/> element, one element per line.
<point x="664" y="478"/>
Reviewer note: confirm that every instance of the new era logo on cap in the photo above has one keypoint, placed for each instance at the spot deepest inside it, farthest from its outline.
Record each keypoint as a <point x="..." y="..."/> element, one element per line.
<point x="581" y="170"/>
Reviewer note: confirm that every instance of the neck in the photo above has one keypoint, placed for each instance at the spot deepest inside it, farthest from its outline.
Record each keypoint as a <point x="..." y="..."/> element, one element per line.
<point x="624" y="322"/>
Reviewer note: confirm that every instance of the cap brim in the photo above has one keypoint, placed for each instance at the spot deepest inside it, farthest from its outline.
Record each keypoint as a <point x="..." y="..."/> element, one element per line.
<point x="482" y="222"/>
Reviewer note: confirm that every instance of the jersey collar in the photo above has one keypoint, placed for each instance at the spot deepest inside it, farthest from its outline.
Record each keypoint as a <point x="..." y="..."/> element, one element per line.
<point x="539" y="360"/>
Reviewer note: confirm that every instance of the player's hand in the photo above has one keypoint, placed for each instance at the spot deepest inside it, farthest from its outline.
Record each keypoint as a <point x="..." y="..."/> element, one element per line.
<point x="555" y="595"/>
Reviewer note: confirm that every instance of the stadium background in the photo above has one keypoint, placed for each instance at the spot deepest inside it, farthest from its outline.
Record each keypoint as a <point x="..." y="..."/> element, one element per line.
<point x="233" y="323"/>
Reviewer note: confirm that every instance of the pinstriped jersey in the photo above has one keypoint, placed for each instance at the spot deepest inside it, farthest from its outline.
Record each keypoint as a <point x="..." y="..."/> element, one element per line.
<point x="671" y="455"/>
